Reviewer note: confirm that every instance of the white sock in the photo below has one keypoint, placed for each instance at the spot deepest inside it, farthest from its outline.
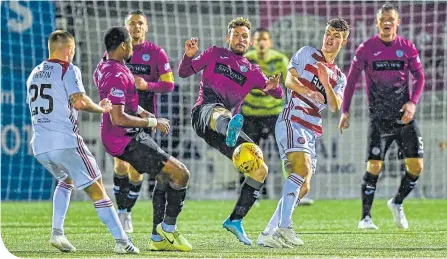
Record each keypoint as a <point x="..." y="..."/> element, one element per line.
<point x="61" y="200"/>
<point x="274" y="220"/>
<point x="109" y="217"/>
<point x="290" y="192"/>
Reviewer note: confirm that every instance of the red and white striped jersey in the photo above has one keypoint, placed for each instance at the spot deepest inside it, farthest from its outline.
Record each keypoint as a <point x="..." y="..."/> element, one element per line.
<point x="303" y="110"/>
<point x="54" y="120"/>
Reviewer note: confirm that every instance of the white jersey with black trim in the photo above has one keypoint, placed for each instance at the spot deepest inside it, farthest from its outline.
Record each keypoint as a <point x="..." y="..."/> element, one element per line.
<point x="303" y="110"/>
<point x="53" y="119"/>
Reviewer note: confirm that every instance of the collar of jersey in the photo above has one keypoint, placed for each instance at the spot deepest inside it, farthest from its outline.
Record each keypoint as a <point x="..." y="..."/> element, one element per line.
<point x="54" y="60"/>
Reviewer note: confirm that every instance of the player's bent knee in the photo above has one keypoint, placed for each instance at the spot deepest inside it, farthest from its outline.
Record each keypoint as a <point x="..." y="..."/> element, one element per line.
<point x="162" y="178"/>
<point x="374" y="166"/>
<point x="259" y="174"/>
<point x="134" y="175"/>
<point x="301" y="164"/>
<point x="414" y="166"/>
<point x="121" y="167"/>
<point x="96" y="191"/>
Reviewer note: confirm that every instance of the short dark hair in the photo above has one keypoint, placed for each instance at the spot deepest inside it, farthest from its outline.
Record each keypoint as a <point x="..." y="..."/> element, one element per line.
<point x="339" y="25"/>
<point x="57" y="37"/>
<point x="262" y="30"/>
<point x="239" y="21"/>
<point x="387" y="7"/>
<point x="114" y="37"/>
<point x="136" y="12"/>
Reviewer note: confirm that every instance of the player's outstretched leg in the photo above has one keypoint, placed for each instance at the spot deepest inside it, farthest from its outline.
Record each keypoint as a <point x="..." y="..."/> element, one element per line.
<point x="368" y="190"/>
<point x="175" y="197"/>
<point x="157" y="242"/>
<point x="121" y="188"/>
<point x="407" y="184"/>
<point x="108" y="216"/>
<point x="247" y="197"/>
<point x="61" y="200"/>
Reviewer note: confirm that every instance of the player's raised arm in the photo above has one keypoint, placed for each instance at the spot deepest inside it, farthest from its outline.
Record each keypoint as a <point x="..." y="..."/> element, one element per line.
<point x="190" y="65"/>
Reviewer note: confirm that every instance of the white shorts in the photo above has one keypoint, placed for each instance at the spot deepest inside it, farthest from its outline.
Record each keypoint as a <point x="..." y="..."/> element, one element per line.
<point x="292" y="137"/>
<point x="77" y="163"/>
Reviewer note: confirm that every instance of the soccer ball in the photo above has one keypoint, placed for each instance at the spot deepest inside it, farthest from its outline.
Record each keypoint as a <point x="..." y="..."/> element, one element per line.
<point x="247" y="157"/>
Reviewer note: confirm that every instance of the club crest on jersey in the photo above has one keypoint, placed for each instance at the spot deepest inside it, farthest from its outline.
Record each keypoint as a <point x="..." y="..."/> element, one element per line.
<point x="167" y="66"/>
<point x="301" y="140"/>
<point x="116" y="92"/>
<point x="146" y="57"/>
<point x="243" y="68"/>
<point x="399" y="53"/>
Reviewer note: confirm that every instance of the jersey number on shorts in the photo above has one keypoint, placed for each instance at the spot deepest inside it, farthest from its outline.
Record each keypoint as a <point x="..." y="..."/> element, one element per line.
<point x="40" y="92"/>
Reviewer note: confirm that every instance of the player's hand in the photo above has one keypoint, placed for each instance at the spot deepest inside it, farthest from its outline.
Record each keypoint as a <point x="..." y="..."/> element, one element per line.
<point x="140" y="83"/>
<point x="106" y="105"/>
<point x="272" y="82"/>
<point x="408" y="109"/>
<point x="163" y="126"/>
<point x="344" y="122"/>
<point x="323" y="75"/>
<point x="317" y="96"/>
<point x="191" y="47"/>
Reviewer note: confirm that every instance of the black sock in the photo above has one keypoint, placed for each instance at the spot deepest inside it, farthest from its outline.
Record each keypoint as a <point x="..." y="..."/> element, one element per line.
<point x="222" y="124"/>
<point x="158" y="205"/>
<point x="121" y="189"/>
<point x="247" y="197"/>
<point x="132" y="196"/>
<point x="406" y="186"/>
<point x="175" y="197"/>
<point x="368" y="191"/>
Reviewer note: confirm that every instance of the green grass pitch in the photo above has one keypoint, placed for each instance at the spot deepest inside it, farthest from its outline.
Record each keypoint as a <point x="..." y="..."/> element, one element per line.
<point x="328" y="228"/>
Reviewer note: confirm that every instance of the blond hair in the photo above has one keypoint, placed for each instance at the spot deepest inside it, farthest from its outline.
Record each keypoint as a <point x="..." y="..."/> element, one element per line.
<point x="59" y="37"/>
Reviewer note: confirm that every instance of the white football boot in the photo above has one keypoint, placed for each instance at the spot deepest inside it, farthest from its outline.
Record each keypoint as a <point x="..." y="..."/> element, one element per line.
<point x="289" y="236"/>
<point x="126" y="248"/>
<point x="271" y="241"/>
<point x="367" y="223"/>
<point x="61" y="243"/>
<point x="126" y="221"/>
<point x="398" y="214"/>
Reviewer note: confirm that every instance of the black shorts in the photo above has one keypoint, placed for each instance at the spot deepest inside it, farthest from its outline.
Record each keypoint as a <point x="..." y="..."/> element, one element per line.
<point x="258" y="128"/>
<point x="145" y="155"/>
<point x="200" y="117"/>
<point x="382" y="133"/>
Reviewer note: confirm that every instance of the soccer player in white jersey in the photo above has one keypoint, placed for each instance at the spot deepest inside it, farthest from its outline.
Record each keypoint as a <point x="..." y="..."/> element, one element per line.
<point x="55" y="93"/>
<point x="313" y="83"/>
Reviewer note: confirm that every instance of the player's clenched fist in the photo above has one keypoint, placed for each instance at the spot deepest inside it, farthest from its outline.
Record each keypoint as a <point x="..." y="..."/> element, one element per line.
<point x="106" y="105"/>
<point x="163" y="125"/>
<point x="140" y="83"/>
<point x="191" y="47"/>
